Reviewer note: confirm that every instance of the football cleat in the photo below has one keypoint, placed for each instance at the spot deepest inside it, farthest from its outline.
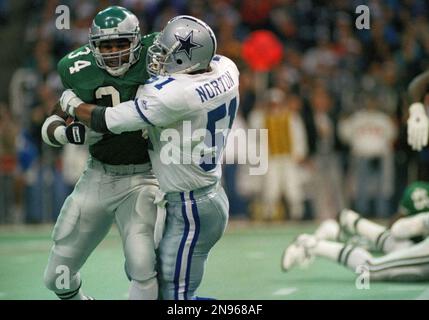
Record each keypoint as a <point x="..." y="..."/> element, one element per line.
<point x="328" y="230"/>
<point x="300" y="252"/>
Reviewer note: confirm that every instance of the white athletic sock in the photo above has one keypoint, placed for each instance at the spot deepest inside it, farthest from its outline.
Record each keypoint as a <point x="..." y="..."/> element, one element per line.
<point x="147" y="290"/>
<point x="368" y="229"/>
<point x="379" y="236"/>
<point x="346" y="255"/>
<point x="354" y="257"/>
<point x="74" y="294"/>
<point x="328" y="249"/>
<point x="79" y="296"/>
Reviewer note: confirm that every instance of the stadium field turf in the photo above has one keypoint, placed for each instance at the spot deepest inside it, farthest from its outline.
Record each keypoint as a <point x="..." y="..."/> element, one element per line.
<point x="244" y="265"/>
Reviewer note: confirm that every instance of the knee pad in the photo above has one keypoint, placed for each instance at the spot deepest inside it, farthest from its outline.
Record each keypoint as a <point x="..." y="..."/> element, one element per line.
<point x="50" y="278"/>
<point x="144" y="290"/>
<point x="140" y="269"/>
<point x="60" y="280"/>
<point x="408" y="227"/>
<point x="58" y="277"/>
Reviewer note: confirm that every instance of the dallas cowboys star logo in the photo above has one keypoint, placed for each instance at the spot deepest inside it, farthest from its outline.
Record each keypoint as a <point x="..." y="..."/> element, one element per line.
<point x="187" y="44"/>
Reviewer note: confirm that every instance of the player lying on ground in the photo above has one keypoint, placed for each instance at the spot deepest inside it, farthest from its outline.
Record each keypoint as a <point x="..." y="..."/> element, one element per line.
<point x="403" y="259"/>
<point x="118" y="183"/>
<point x="193" y="92"/>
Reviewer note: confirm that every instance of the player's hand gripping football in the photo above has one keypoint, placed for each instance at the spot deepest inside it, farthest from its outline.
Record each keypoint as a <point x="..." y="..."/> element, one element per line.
<point x="418" y="126"/>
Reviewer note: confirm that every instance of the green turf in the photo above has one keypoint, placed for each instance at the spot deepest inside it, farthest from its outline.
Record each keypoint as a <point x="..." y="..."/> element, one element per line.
<point x="245" y="264"/>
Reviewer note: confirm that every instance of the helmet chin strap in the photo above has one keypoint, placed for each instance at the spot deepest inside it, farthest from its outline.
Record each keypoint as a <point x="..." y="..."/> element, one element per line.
<point x="116" y="72"/>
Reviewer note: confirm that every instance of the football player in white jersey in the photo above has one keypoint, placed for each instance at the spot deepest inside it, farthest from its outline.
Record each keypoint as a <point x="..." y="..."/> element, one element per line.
<point x="187" y="108"/>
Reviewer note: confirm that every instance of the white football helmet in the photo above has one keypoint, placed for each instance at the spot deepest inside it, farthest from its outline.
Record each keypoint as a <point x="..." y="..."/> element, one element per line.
<point x="185" y="45"/>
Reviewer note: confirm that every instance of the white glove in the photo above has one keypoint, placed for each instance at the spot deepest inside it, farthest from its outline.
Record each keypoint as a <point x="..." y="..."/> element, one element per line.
<point x="69" y="101"/>
<point x="418" y="127"/>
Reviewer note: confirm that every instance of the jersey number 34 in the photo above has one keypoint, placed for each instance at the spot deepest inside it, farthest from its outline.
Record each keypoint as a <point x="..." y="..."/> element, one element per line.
<point x="79" y="64"/>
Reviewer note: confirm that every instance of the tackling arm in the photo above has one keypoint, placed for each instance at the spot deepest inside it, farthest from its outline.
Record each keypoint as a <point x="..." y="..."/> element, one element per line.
<point x="123" y="117"/>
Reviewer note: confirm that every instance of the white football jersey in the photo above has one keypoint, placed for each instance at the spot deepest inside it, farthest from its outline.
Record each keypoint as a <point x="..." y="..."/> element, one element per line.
<point x="188" y="118"/>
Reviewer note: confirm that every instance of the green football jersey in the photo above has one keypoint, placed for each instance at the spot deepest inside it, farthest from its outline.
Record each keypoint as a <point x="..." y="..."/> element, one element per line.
<point x="79" y="71"/>
<point x="415" y="198"/>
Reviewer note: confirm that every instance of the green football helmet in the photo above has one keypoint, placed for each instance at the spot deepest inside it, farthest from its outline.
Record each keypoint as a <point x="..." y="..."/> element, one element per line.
<point x="111" y="24"/>
<point x="415" y="198"/>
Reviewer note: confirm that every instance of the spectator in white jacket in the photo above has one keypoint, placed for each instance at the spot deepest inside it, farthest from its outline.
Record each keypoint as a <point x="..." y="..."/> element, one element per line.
<point x="370" y="133"/>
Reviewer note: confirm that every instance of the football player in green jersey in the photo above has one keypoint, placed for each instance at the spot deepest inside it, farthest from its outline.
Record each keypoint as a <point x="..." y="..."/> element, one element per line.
<point x="118" y="183"/>
<point x="404" y="260"/>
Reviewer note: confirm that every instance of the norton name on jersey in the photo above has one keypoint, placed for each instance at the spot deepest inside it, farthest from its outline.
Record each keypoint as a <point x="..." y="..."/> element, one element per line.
<point x="215" y="87"/>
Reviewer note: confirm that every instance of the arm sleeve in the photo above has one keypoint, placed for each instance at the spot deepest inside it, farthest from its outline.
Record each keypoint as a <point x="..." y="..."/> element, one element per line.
<point x="125" y="117"/>
<point x="162" y="108"/>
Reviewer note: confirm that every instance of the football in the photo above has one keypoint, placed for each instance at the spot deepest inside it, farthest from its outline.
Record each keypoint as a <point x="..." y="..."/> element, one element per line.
<point x="69" y="120"/>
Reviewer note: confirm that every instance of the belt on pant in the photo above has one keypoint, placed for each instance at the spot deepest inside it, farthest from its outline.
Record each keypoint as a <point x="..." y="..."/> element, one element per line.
<point x="197" y="193"/>
<point x="121" y="169"/>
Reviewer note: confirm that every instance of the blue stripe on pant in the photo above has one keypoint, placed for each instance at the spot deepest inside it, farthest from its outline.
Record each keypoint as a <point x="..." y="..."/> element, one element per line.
<point x="194" y="223"/>
<point x="181" y="249"/>
<point x="182" y="245"/>
<point x="194" y="240"/>
<point x="184" y="259"/>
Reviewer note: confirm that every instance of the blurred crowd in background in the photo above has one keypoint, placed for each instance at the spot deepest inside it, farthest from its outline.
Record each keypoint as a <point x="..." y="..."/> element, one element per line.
<point x="335" y="107"/>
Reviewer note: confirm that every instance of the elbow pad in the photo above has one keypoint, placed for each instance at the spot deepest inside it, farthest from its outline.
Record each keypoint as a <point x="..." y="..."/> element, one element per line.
<point x="53" y="131"/>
